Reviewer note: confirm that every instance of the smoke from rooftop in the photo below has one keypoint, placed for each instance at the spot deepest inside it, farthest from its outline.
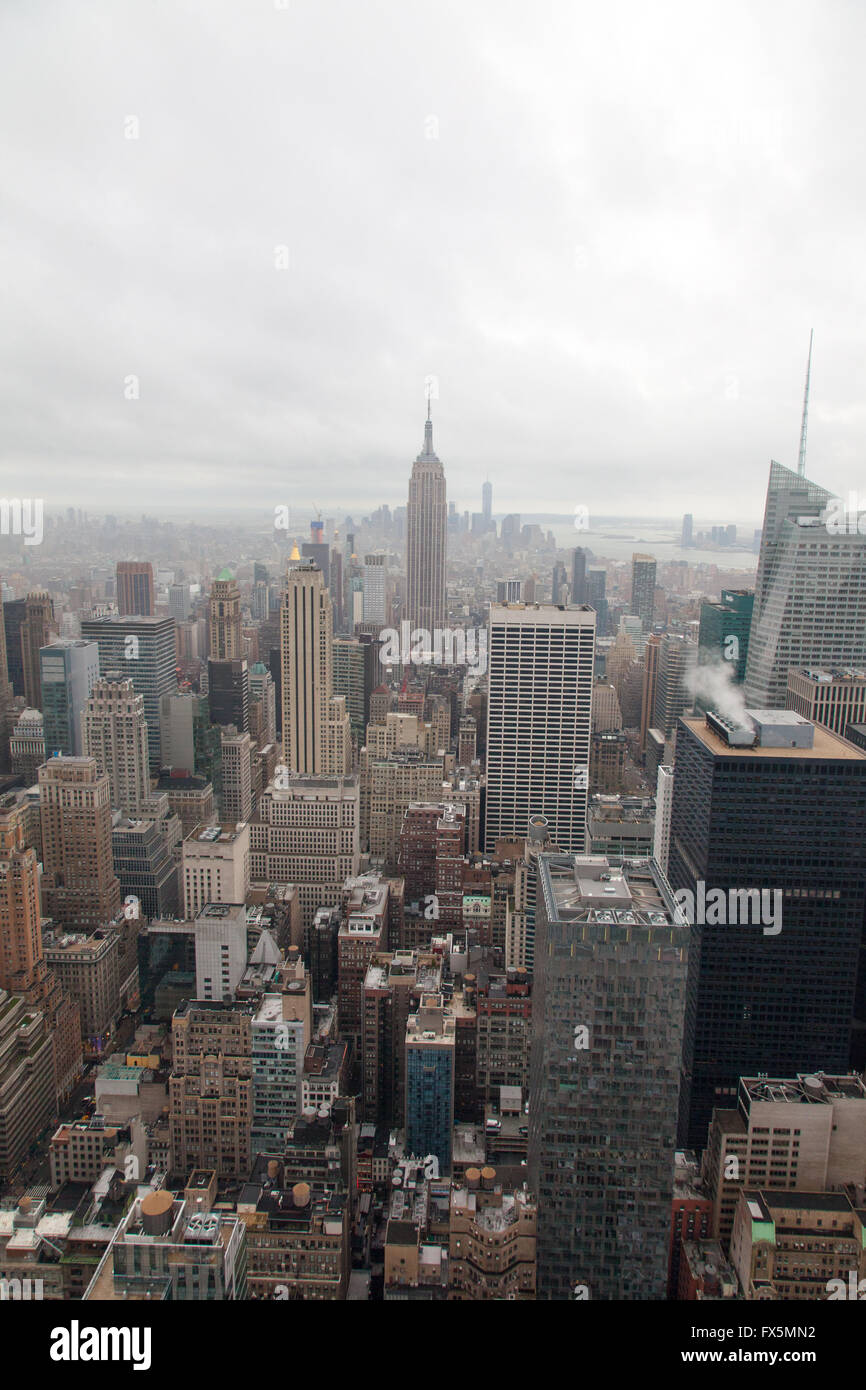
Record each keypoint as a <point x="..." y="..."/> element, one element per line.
<point x="714" y="685"/>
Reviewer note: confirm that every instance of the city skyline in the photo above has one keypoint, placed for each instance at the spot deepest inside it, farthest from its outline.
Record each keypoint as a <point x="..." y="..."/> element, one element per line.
<point x="432" y="863"/>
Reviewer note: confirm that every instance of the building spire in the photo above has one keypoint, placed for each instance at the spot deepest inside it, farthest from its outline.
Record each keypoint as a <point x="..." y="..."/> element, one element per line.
<point x="428" y="451"/>
<point x="801" y="462"/>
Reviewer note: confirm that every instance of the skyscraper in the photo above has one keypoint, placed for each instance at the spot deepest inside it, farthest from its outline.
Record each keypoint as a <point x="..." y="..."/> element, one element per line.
<point x="115" y="734"/>
<point x="23" y="969"/>
<point x="810" y="591"/>
<point x="224" y="619"/>
<point x="662" y="827"/>
<point x="14" y="613"/>
<point x="318" y="554"/>
<point x="643" y="589"/>
<point x="237" y="796"/>
<point x="833" y="698"/>
<point x="374" y="589"/>
<point x="356" y="665"/>
<point x="179" y="602"/>
<point x="69" y="670"/>
<point x="487" y="505"/>
<point x="578" y="576"/>
<point x="596" y="584"/>
<point x="677" y="657"/>
<point x="6" y="714"/>
<point x="20" y="934"/>
<point x="648" y="689"/>
<point x="143" y="648"/>
<point x="538" y="721"/>
<point x="27" y="746"/>
<point x="80" y="887"/>
<point x="559" y="583"/>
<point x="306" y="832"/>
<point x="316" y="732"/>
<point x="228" y="693"/>
<point x="607" y="1026"/>
<point x="263" y="705"/>
<point x="426" y="529"/>
<point x="215" y="866"/>
<point x="38" y="630"/>
<point x="774" y="807"/>
<point x="509" y="591"/>
<point x="430" y="1072"/>
<point x="135" y="594"/>
<point x="724" y="631"/>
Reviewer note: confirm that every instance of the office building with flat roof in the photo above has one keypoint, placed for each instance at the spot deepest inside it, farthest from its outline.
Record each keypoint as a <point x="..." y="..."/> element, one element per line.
<point x="611" y="953"/>
<point x="832" y="698"/>
<point x="135" y="593"/>
<point x="538" y="720"/>
<point x="144" y="649"/>
<point x="804" y="1132"/>
<point x="69" y="670"/>
<point x="766" y="846"/>
<point x="215" y="866"/>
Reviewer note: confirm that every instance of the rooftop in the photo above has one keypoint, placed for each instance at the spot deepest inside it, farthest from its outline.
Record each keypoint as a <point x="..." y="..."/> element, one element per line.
<point x="586" y="889"/>
<point x="824" y="676"/>
<point x="825" y="746"/>
<point x="813" y="1088"/>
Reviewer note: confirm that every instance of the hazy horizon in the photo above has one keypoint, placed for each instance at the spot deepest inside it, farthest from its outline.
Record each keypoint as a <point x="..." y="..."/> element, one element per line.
<point x="234" y="264"/>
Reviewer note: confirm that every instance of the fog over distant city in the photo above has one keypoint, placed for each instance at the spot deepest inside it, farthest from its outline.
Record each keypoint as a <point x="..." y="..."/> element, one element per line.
<point x="238" y="238"/>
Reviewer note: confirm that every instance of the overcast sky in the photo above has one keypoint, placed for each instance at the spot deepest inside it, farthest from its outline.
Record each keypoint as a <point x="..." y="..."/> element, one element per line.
<point x="605" y="230"/>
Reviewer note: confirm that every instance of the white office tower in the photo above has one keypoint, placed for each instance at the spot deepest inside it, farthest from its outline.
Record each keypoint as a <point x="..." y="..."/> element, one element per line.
<point x="538" y="721"/>
<point x="306" y="832"/>
<point x="426" y="530"/>
<point x="810" y="592"/>
<point x="115" y="734"/>
<point x="220" y="950"/>
<point x="374" y="589"/>
<point x="215" y="866"/>
<point x="317" y="736"/>
<point x="662" y="830"/>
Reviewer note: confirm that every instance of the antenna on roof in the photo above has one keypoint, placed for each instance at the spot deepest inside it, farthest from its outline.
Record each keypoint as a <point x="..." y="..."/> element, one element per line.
<point x="801" y="462"/>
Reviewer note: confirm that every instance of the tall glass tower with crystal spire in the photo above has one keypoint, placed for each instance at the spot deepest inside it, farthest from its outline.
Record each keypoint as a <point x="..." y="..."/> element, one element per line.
<point x="426" y="529"/>
<point x="810" y="592"/>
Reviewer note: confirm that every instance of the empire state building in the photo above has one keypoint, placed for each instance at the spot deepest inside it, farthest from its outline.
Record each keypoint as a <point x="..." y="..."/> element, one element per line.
<point x="426" y="523"/>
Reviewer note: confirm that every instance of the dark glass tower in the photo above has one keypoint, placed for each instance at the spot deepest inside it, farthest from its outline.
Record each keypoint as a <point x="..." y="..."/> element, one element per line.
<point x="578" y="576"/>
<point x="724" y="631"/>
<point x="776" y="817"/>
<point x="607" y="1028"/>
<point x="595" y="587"/>
<point x="643" y="589"/>
<point x="229" y="694"/>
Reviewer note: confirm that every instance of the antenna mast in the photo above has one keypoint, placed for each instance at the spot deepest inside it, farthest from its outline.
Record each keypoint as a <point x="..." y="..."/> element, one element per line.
<point x="801" y="462"/>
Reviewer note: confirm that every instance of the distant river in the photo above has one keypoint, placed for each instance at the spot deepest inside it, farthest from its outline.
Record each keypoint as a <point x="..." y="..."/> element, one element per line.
<point x="616" y="542"/>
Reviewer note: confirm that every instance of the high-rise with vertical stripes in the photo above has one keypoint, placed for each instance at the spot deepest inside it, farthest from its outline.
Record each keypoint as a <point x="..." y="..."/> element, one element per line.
<point x="316" y="732"/>
<point x="538" y="721"/>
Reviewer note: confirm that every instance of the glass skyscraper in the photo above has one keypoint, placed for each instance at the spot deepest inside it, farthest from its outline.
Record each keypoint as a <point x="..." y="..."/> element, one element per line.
<point x="810" y="591"/>
<point x="608" y="1001"/>
<point x="769" y="816"/>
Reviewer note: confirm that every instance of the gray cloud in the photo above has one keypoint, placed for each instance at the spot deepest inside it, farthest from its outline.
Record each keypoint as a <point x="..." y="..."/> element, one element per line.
<point x="610" y="255"/>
